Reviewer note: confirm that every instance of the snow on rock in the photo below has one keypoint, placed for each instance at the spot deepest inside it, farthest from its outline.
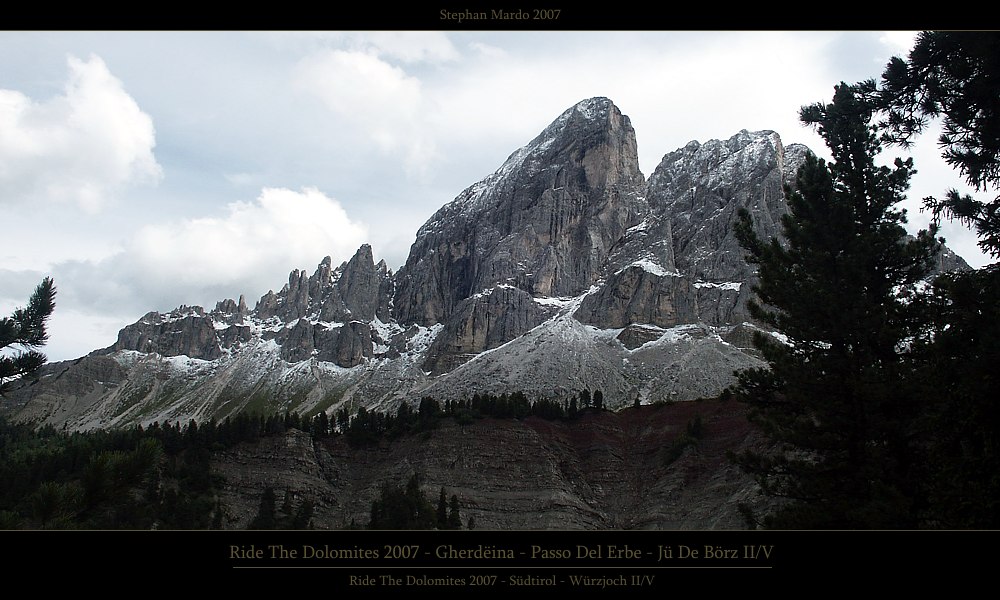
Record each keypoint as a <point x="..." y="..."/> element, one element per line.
<point x="729" y="285"/>
<point x="650" y="267"/>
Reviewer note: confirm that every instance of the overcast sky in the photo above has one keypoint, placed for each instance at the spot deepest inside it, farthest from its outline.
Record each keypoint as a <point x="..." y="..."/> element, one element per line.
<point x="147" y="170"/>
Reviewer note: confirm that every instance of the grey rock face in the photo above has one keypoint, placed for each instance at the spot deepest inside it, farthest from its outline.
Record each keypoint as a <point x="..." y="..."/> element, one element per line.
<point x="699" y="189"/>
<point x="484" y="321"/>
<point x="185" y="331"/>
<point x="357" y="289"/>
<point x="682" y="263"/>
<point x="638" y="295"/>
<point x="359" y="286"/>
<point x="68" y="387"/>
<point x="545" y="222"/>
<point x="353" y="344"/>
<point x="330" y="310"/>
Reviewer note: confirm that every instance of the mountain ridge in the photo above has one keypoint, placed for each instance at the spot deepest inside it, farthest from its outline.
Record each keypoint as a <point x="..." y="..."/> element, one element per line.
<point x="565" y="269"/>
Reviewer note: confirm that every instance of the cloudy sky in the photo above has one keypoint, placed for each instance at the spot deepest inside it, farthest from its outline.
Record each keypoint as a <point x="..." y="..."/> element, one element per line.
<point x="151" y="169"/>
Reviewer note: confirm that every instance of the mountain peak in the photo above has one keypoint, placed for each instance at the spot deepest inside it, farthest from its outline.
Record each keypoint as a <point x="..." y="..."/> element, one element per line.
<point x="544" y="222"/>
<point x="592" y="121"/>
<point x="593" y="108"/>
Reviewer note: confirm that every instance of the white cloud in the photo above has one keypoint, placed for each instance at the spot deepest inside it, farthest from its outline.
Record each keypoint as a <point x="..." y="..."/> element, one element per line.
<point x="410" y="46"/>
<point x="487" y="50"/>
<point x="75" y="333"/>
<point x="898" y="42"/>
<point x="253" y="245"/>
<point x="359" y="84"/>
<point x="677" y="87"/>
<point x="79" y="147"/>
<point x="249" y="250"/>
<point x="433" y="47"/>
<point x="373" y="99"/>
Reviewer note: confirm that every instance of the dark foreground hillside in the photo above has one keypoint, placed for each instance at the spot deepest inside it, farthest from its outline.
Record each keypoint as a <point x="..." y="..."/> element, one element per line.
<point x="653" y="467"/>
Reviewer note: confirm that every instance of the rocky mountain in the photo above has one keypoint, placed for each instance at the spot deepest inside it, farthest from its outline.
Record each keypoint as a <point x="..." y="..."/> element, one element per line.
<point x="564" y="270"/>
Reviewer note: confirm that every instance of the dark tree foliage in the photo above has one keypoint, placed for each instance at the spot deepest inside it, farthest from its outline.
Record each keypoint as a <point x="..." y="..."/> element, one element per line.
<point x="454" y="517"/>
<point x="114" y="479"/>
<point x="369" y="427"/>
<point x="23" y="332"/>
<point x="573" y="411"/>
<point x="954" y="75"/>
<point x="266" y="517"/>
<point x="399" y="508"/>
<point x="693" y="432"/>
<point x="838" y="291"/>
<point x="442" y="510"/>
<point x="429" y="408"/>
<point x="321" y="425"/>
<point x="958" y="379"/>
<point x="159" y="477"/>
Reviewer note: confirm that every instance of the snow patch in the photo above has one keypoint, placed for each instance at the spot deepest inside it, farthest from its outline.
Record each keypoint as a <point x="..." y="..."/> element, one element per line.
<point x="561" y="302"/>
<point x="592" y="108"/>
<point x="424" y="337"/>
<point x="650" y="267"/>
<point x="489" y="290"/>
<point x="637" y="228"/>
<point x="729" y="285"/>
<point x="784" y="339"/>
<point x="180" y="314"/>
<point x="183" y="362"/>
<point x="673" y="335"/>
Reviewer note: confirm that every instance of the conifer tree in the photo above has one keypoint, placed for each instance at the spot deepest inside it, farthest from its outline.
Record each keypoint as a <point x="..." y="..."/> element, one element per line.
<point x="397" y="508"/>
<point x="454" y="518"/>
<point x="25" y="330"/>
<point x="837" y="290"/>
<point x="954" y="76"/>
<point x="442" y="510"/>
<point x="266" y="517"/>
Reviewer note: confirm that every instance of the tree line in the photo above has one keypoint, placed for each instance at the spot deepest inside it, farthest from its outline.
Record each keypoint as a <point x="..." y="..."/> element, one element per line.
<point x="369" y="426"/>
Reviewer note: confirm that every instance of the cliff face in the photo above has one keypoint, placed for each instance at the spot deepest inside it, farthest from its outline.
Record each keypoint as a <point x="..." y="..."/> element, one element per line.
<point x="682" y="262"/>
<point x="544" y="223"/>
<point x="604" y="471"/>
